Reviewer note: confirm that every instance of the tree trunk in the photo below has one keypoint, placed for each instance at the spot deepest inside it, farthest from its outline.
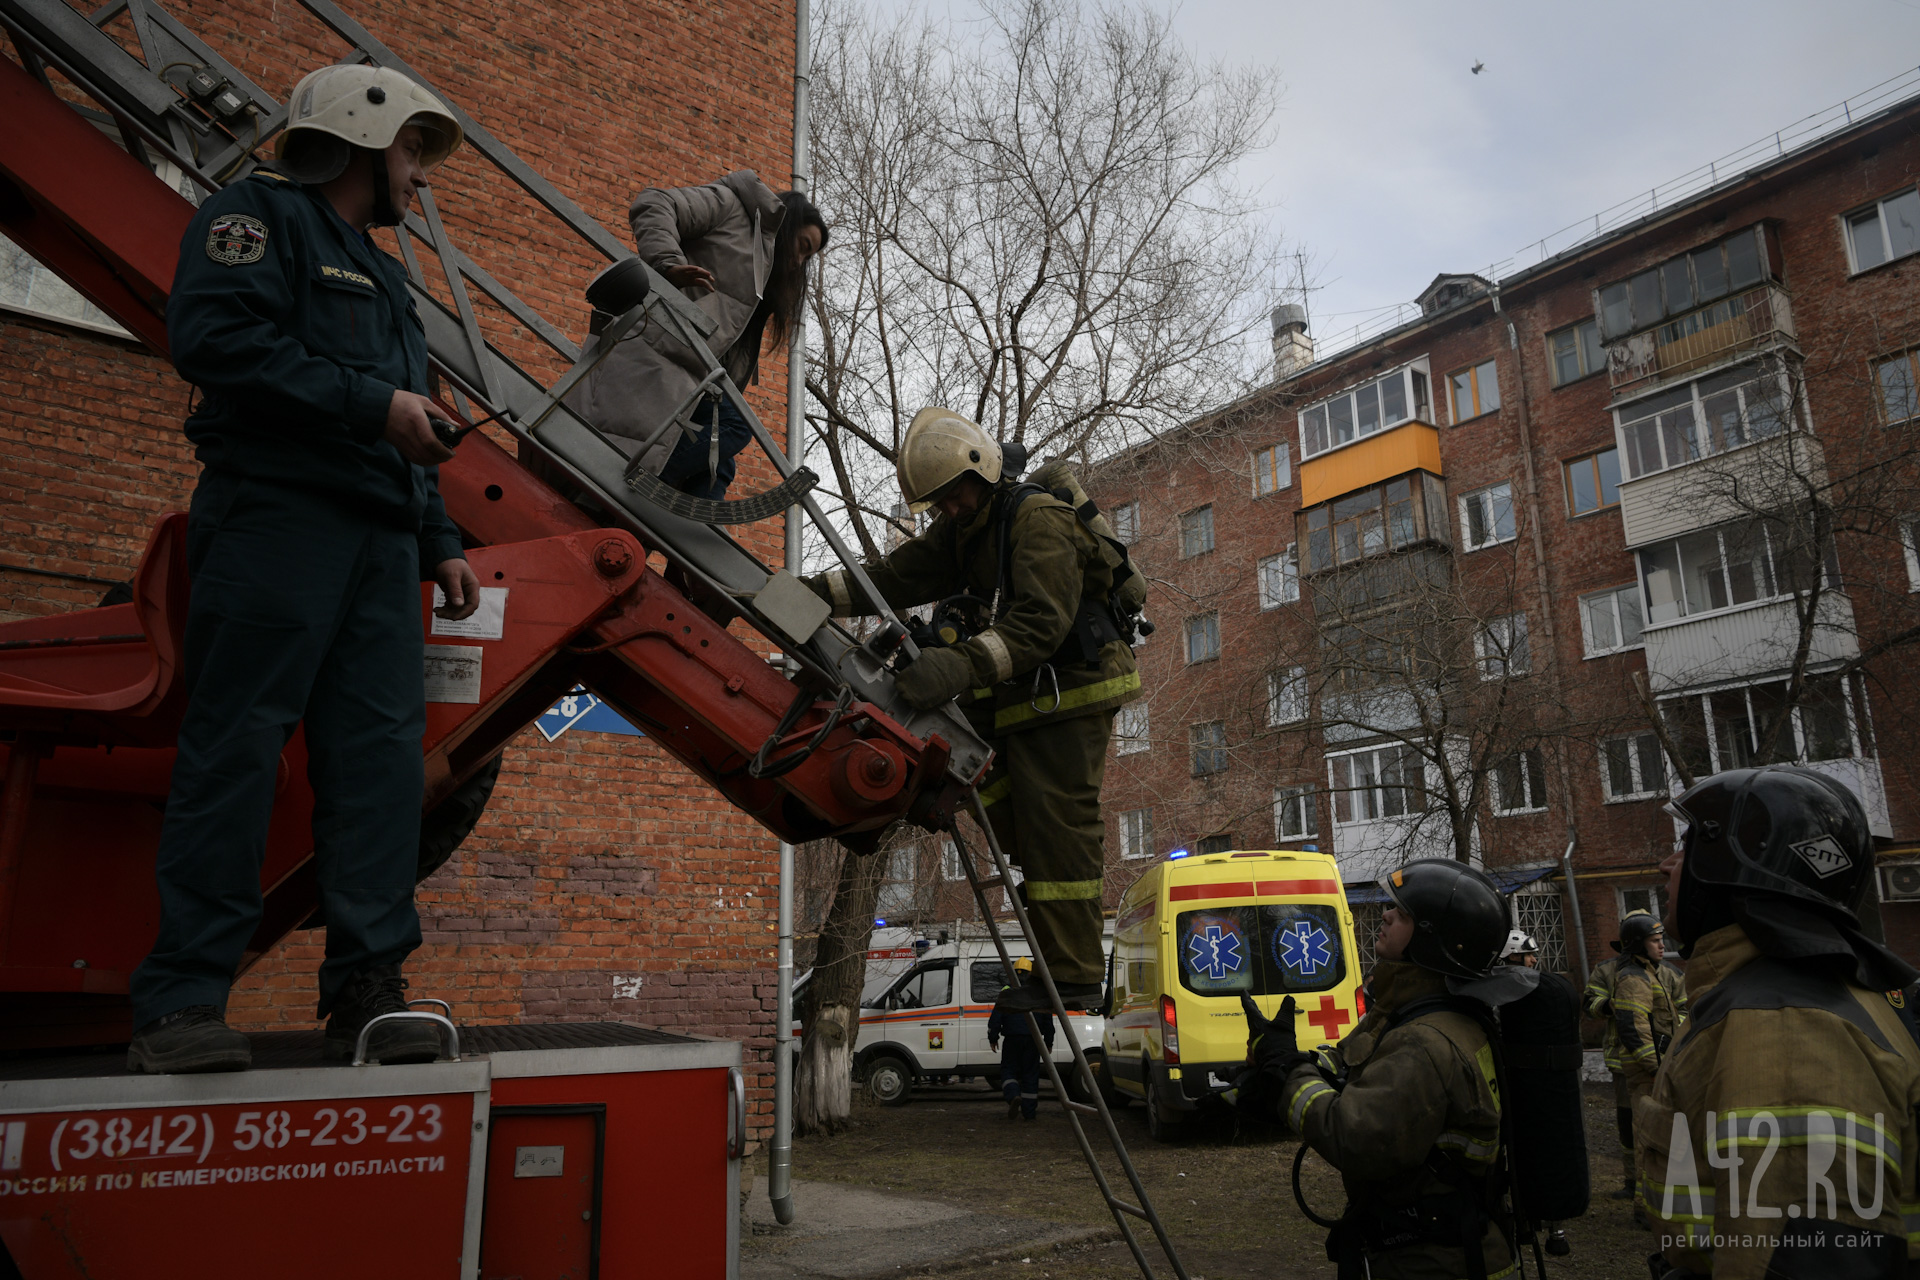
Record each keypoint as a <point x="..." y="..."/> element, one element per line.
<point x="823" y="1082"/>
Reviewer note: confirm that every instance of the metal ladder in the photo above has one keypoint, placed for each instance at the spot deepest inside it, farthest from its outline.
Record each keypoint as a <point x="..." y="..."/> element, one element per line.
<point x="1121" y="1210"/>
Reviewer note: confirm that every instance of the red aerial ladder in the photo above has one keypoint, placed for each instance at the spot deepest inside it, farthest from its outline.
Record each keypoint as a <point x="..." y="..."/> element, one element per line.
<point x="567" y="1149"/>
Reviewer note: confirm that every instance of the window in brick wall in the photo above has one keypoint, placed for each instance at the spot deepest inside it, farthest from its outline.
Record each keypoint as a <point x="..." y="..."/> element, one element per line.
<point x="1683" y="286"/>
<point x="1910" y="545"/>
<point x="950" y="868"/>
<point x="1896" y="381"/>
<point x="1196" y="532"/>
<point x="1486" y="517"/>
<point x="1502" y="649"/>
<point x="1593" y="482"/>
<point x="1885" y="230"/>
<point x="1610" y="620"/>
<point x="1652" y="898"/>
<point x="1717" y="414"/>
<point x="1203" y="638"/>
<point x="1575" y="352"/>
<point x="1286" y="696"/>
<point x="1209" y="748"/>
<point x="1218" y="842"/>
<point x="1631" y="767"/>
<point x="1379" y="404"/>
<point x="1293" y="814"/>
<point x="1279" y="578"/>
<point x="1136" y="833"/>
<point x="1733" y="565"/>
<point x="1474" y="391"/>
<point x="1125" y="520"/>
<point x="28" y="287"/>
<point x="1384" y="782"/>
<point x="1272" y="470"/>
<point x="1130" y="729"/>
<point x="1520" y="783"/>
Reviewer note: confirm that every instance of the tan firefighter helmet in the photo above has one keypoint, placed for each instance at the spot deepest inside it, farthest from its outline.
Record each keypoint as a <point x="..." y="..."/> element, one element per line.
<point x="940" y="447"/>
<point x="362" y="107"/>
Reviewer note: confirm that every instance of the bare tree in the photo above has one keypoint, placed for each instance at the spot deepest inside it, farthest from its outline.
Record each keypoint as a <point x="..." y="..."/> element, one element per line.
<point x="830" y="1012"/>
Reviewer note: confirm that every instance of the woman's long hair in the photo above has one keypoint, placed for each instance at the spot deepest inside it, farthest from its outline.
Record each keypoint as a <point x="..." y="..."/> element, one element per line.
<point x="786" y="290"/>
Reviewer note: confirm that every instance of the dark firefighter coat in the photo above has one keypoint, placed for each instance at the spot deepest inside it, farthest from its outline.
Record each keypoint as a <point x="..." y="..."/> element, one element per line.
<point x="1056" y="563"/>
<point x="1418" y="1098"/>
<point x="1649" y="1005"/>
<point x="1785" y="1085"/>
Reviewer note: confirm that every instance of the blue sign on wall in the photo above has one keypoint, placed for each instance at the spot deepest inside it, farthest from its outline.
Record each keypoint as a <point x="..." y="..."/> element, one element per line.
<point x="581" y="710"/>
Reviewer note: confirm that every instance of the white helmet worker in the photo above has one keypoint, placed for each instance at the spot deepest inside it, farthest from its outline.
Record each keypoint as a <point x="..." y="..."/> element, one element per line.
<point x="337" y="108"/>
<point x="1520" y="943"/>
<point x="940" y="447"/>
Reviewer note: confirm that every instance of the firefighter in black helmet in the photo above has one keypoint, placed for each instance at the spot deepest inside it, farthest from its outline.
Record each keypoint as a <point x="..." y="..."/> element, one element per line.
<point x="1405" y="1106"/>
<point x="1798" y="1045"/>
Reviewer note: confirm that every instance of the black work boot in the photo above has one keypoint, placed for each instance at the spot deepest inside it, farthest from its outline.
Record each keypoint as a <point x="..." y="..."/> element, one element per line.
<point x="195" y="1038"/>
<point x="1032" y="997"/>
<point x="368" y="994"/>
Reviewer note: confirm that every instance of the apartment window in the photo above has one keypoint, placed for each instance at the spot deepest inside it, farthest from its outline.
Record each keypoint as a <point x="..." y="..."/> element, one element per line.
<point x="1354" y="414"/>
<point x="1630" y="767"/>
<point x="1287" y="696"/>
<point x="1910" y="545"/>
<point x="1196" y="532"/>
<point x="950" y="868"/>
<point x="1203" y="638"/>
<point x="27" y="286"/>
<point x="1293" y="814"/>
<point x="1652" y="899"/>
<point x="1707" y="417"/>
<point x="1575" y="351"/>
<point x="1681" y="284"/>
<point x="1593" y="482"/>
<point x="1520" y="783"/>
<point x="1125" y="520"/>
<point x="1475" y="391"/>
<point x="1209" y="748"/>
<point x="1501" y="647"/>
<point x="1610" y="620"/>
<point x="1280" y="578"/>
<point x="1898" y="383"/>
<point x="1130" y="729"/>
<point x="1886" y="230"/>
<point x="1367" y="786"/>
<point x="1219" y="842"/>
<point x="1486" y="517"/>
<point x="1733" y="565"/>
<point x="1728" y="728"/>
<point x="1136" y="833"/>
<point x="1374" y="521"/>
<point x="1272" y="470"/>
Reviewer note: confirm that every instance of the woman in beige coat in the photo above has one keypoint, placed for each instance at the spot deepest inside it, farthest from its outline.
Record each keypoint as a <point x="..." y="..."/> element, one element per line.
<point x="740" y="253"/>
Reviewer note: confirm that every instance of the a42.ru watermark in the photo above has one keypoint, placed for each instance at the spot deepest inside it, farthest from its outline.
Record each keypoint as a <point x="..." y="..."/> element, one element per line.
<point x="1835" y="1146"/>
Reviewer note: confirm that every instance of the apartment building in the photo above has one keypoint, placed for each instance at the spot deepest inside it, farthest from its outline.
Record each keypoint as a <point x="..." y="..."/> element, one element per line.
<point x="1426" y="594"/>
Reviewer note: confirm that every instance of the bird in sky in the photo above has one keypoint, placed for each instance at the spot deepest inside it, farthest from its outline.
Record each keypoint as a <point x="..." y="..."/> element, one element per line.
<point x="1478" y="66"/>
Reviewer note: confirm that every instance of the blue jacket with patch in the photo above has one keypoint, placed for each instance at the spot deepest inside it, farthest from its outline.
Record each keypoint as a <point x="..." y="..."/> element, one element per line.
<point x="297" y="331"/>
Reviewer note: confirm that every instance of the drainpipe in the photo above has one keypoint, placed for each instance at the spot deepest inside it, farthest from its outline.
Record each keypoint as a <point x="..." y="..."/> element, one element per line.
<point x="780" y="1153"/>
<point x="1532" y="488"/>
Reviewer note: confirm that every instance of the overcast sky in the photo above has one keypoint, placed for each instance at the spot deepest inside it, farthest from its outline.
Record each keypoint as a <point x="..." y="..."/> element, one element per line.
<point x="1393" y="162"/>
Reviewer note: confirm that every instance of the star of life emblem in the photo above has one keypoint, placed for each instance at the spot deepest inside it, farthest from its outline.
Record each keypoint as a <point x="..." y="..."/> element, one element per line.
<point x="1824" y="855"/>
<point x="1214" y="952"/>
<point x="1303" y="947"/>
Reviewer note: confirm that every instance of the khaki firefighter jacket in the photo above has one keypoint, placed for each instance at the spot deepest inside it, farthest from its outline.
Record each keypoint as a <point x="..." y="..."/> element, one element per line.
<point x="1031" y="648"/>
<point x="1649" y="1003"/>
<point x="1418" y="1098"/>
<point x="1786" y="1084"/>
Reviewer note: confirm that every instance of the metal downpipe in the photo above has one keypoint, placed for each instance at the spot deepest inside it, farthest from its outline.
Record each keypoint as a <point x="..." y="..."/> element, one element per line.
<point x="1573" y="905"/>
<point x="780" y="1153"/>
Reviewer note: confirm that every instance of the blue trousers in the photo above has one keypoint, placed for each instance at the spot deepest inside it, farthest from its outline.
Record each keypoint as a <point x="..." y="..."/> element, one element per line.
<point x="686" y="468"/>
<point x="302" y="610"/>
<point x="1020" y="1072"/>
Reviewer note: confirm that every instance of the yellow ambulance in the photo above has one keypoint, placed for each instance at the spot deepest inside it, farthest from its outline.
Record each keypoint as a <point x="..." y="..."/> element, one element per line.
<point x="1191" y="936"/>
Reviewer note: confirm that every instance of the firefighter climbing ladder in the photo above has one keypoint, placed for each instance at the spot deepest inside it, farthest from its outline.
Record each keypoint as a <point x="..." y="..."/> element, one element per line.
<point x="198" y="132"/>
<point x="1121" y="1210"/>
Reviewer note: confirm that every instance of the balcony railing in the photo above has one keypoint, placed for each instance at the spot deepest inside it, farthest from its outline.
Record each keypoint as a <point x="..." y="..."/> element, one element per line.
<point x="1705" y="336"/>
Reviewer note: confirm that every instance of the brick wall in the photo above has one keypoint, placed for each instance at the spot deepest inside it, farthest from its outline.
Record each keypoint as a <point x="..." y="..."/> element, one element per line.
<point x="1841" y="320"/>
<point x="599" y="857"/>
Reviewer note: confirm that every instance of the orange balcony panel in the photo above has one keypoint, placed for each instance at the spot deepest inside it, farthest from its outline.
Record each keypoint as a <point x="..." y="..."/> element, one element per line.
<point x="1408" y="447"/>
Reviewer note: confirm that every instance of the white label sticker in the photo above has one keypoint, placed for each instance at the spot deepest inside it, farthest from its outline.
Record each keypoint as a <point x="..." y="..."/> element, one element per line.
<point x="539" y="1162"/>
<point x="1824" y="855"/>
<point x="488" y="622"/>
<point x="453" y="672"/>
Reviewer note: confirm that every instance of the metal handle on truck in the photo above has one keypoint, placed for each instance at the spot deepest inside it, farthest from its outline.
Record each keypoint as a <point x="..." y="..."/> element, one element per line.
<point x="737" y="1115"/>
<point x="415" y="1015"/>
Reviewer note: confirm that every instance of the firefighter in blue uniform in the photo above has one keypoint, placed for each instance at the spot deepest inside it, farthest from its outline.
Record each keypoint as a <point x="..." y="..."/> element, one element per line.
<point x="316" y="518"/>
<point x="1020" y="1060"/>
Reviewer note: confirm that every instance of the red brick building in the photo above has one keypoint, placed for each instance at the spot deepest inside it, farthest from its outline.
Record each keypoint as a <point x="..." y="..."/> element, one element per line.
<point x="1407" y="593"/>
<point x="603" y="881"/>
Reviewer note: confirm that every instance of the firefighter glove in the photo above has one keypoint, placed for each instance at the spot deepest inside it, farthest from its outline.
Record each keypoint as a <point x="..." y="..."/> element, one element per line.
<point x="1272" y="1046"/>
<point x="935" y="678"/>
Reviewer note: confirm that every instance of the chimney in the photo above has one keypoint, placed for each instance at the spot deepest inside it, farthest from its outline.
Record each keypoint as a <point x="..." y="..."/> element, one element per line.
<point x="1292" y="348"/>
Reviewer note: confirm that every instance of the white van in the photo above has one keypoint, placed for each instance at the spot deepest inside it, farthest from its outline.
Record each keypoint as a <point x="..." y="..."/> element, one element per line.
<point x="930" y="1024"/>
